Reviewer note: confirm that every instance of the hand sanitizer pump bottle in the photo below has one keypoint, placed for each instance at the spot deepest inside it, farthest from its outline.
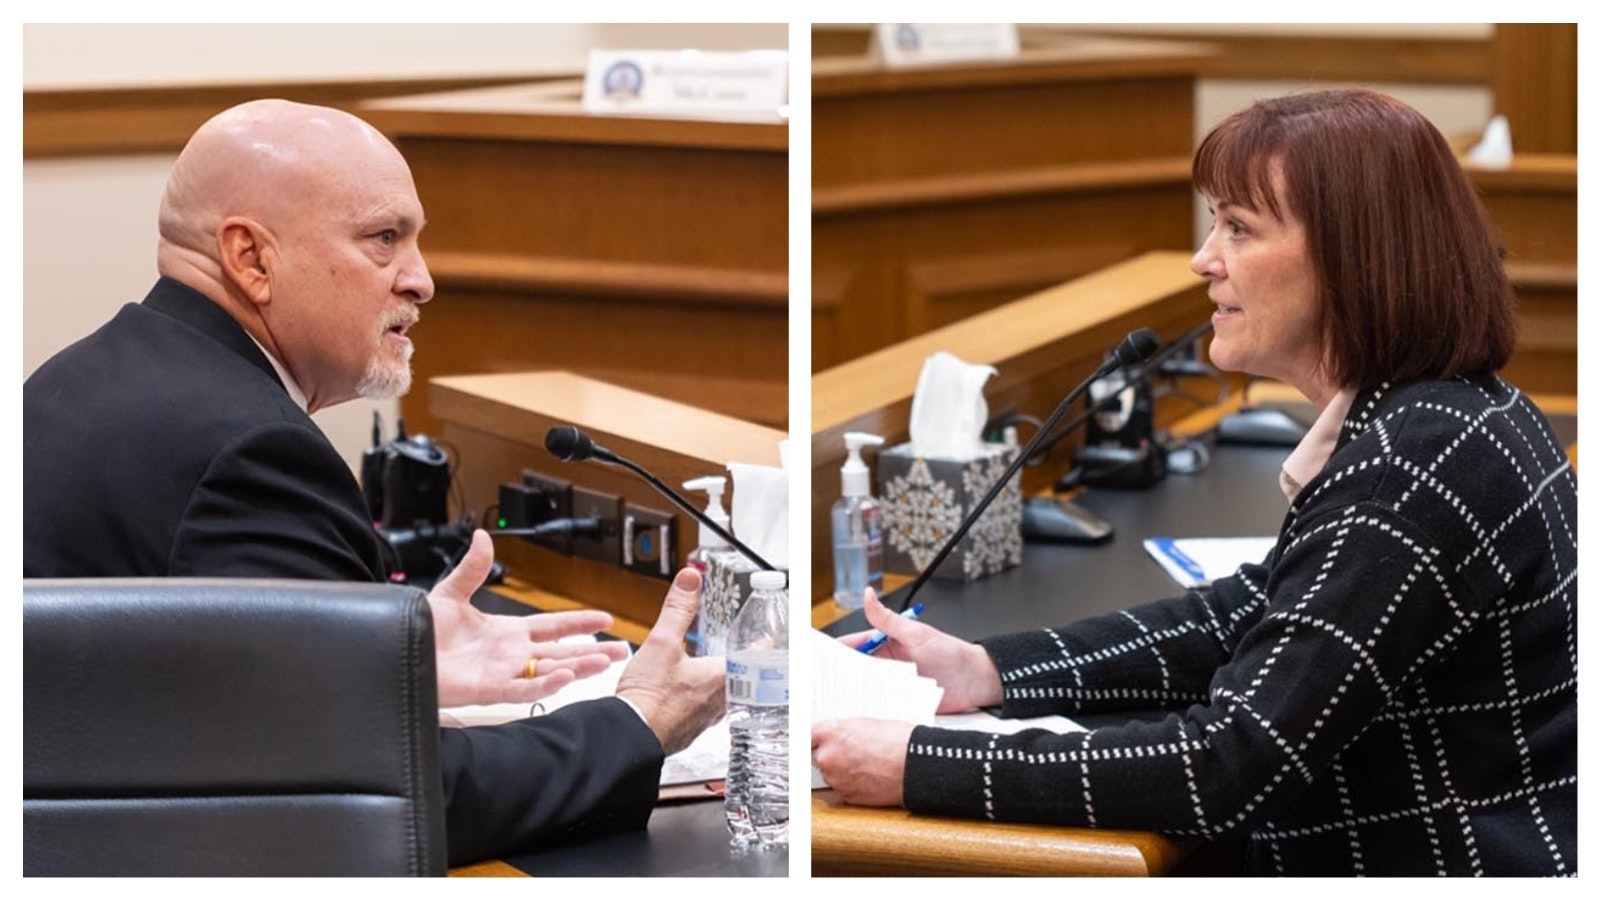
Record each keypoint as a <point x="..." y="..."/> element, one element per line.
<point x="857" y="528"/>
<point x="710" y="543"/>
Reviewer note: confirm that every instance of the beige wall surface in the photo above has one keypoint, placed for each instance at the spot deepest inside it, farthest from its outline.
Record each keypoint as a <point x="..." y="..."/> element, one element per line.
<point x="62" y="56"/>
<point x="89" y="232"/>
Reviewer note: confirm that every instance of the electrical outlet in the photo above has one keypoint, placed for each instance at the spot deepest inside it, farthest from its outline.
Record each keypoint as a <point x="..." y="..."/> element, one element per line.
<point x="649" y="541"/>
<point x="607" y="546"/>
<point x="538" y="499"/>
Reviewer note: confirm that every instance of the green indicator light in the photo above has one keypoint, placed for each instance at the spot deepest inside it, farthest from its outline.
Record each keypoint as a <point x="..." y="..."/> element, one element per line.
<point x="502" y="523"/>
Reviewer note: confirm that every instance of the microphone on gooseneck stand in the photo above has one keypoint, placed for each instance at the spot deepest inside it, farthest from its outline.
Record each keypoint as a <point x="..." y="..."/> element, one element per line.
<point x="568" y="444"/>
<point x="1137" y="347"/>
<point x="1058" y="521"/>
<point x="1151" y="367"/>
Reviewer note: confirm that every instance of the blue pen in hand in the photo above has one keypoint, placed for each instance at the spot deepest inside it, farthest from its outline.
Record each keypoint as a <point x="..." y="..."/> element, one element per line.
<point x="878" y="638"/>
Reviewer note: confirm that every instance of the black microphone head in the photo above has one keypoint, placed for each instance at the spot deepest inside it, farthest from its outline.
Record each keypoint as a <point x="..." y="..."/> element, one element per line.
<point x="568" y="443"/>
<point x="1137" y="347"/>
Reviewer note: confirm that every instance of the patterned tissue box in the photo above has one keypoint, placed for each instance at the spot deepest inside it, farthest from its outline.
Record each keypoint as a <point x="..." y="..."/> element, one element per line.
<point x="724" y="588"/>
<point x="924" y="500"/>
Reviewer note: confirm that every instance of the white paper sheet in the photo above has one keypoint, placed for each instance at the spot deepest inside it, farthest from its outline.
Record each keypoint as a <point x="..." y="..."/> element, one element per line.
<point x="704" y="760"/>
<point x="847" y="683"/>
<point x="1196" y="562"/>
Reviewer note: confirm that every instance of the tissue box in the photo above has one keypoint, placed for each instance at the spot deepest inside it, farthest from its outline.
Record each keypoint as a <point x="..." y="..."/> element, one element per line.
<point x="924" y="500"/>
<point x="724" y="587"/>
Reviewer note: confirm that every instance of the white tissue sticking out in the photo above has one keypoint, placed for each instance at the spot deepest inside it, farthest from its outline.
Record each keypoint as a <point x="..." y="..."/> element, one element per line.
<point x="1494" y="150"/>
<point x="948" y="411"/>
<point x="760" y="514"/>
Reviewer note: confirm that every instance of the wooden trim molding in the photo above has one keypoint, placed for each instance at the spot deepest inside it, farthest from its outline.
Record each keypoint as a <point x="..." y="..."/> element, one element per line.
<point x="1543" y="275"/>
<point x="552" y="111"/>
<point x="987" y="186"/>
<point x="521" y="273"/>
<point x="1427" y="60"/>
<point x="1256" y="57"/>
<point x="1016" y="271"/>
<point x="1555" y="173"/>
<point x="106" y="121"/>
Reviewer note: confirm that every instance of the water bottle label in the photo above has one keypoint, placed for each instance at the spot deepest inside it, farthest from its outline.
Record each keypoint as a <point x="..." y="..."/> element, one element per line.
<point x="762" y="683"/>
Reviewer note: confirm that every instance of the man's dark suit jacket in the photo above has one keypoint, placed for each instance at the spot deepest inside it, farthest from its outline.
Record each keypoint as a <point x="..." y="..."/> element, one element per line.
<point x="164" y="445"/>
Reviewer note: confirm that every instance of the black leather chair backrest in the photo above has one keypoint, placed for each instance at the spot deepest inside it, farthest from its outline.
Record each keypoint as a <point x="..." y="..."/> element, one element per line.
<point x="216" y="727"/>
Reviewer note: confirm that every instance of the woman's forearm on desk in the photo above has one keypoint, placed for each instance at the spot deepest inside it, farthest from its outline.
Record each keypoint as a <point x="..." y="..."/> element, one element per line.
<point x="1297" y="693"/>
<point x="1161" y="654"/>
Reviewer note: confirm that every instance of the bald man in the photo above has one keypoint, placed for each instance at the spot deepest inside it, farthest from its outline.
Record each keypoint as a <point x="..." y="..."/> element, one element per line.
<point x="176" y="441"/>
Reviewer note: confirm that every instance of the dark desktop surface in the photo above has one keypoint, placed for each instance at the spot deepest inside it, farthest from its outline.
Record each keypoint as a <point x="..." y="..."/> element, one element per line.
<point x="1237" y="495"/>
<point x="684" y="840"/>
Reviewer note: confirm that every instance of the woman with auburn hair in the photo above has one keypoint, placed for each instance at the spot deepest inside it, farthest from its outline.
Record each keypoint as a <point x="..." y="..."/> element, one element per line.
<point x="1394" y="689"/>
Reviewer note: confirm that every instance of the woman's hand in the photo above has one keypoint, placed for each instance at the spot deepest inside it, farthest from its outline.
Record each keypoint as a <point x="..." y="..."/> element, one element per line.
<point x="962" y="668"/>
<point x="863" y="759"/>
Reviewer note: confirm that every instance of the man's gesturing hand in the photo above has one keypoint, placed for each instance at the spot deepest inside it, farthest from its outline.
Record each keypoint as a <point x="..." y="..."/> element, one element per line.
<point x="677" y="695"/>
<point x="483" y="658"/>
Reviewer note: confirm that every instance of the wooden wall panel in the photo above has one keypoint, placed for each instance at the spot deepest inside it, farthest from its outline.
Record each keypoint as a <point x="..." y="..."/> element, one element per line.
<point x="943" y="192"/>
<point x="1535" y="80"/>
<point x="968" y="128"/>
<point x="1533" y="206"/>
<point x="652" y="253"/>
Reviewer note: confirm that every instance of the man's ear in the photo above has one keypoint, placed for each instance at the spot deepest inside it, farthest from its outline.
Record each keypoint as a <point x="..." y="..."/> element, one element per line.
<point x="245" y="250"/>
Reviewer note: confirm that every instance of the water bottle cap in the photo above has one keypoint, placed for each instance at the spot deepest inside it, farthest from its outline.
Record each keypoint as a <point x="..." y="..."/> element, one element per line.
<point x="767" y="580"/>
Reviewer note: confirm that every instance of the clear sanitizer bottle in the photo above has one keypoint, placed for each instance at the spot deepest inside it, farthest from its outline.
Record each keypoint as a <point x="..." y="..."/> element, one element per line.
<point x="710" y="544"/>
<point x="757" y="797"/>
<point x="857" y="528"/>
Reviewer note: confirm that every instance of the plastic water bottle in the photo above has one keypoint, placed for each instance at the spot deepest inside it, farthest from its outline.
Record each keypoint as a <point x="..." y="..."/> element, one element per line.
<point x="757" y="796"/>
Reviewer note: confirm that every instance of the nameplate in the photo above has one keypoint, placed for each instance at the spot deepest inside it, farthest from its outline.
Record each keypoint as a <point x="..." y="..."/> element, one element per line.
<point x="686" y="82"/>
<point x="914" y="45"/>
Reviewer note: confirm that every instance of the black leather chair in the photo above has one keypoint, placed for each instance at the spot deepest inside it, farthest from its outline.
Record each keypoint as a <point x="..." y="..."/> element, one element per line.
<point x="211" y="727"/>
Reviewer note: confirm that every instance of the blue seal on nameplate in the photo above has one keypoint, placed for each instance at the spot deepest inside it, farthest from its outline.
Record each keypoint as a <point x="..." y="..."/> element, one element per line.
<point x="907" y="38"/>
<point x="623" y="80"/>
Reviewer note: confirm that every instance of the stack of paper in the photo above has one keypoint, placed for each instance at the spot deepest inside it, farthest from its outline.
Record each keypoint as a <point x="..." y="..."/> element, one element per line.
<point x="704" y="760"/>
<point x="846" y="683"/>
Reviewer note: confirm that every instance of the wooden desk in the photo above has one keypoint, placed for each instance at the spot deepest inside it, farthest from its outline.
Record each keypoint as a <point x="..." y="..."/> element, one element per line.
<point x="1042" y="346"/>
<point x="649" y="252"/>
<point x="497" y="424"/>
<point x="858" y="840"/>
<point x="942" y="191"/>
<point x="1533" y="205"/>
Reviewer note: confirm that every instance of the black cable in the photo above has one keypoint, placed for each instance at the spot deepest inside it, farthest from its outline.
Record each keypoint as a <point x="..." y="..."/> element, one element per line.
<point x="672" y="496"/>
<point x="452" y="462"/>
<point x="583" y="525"/>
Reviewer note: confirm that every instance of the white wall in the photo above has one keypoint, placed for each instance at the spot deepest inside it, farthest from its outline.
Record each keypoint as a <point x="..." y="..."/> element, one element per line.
<point x="89" y="231"/>
<point x="127" y="55"/>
